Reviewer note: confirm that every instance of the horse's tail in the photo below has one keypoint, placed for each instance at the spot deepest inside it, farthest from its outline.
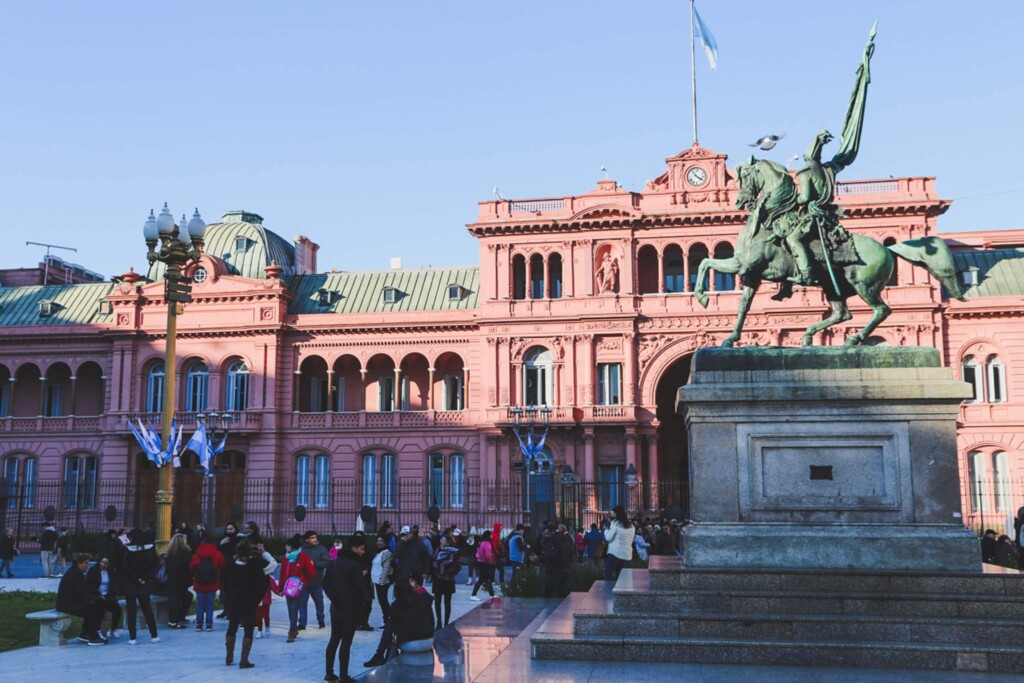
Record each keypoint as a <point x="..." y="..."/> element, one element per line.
<point x="933" y="254"/>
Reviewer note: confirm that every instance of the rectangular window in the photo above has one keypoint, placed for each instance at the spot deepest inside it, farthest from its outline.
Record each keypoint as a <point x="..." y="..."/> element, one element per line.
<point x="457" y="467"/>
<point x="370" y="480"/>
<point x="609" y="384"/>
<point x="536" y="386"/>
<point x="11" y="479"/>
<point x="390" y="296"/>
<point x="5" y="399"/>
<point x="195" y="392"/>
<point x="388" y="481"/>
<point x="455" y="292"/>
<point x="155" y="392"/>
<point x="89" y="483"/>
<point x="436" y="480"/>
<point x="385" y="393"/>
<point x="610" y="483"/>
<point x="339" y="393"/>
<point x="302" y="480"/>
<point x="30" y="484"/>
<point x="971" y="377"/>
<point x="241" y="244"/>
<point x="53" y="399"/>
<point x="323" y="482"/>
<point x="453" y="392"/>
<point x="72" y="476"/>
<point x="317" y="388"/>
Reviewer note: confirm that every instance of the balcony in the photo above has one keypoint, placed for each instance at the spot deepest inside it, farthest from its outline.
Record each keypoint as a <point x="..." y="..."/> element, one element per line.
<point x="241" y="420"/>
<point x="608" y="414"/>
<point x="363" y="419"/>
<point x="50" y="425"/>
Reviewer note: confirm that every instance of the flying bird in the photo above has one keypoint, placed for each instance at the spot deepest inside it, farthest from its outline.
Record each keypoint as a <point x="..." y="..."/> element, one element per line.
<point x="498" y="194"/>
<point x="768" y="141"/>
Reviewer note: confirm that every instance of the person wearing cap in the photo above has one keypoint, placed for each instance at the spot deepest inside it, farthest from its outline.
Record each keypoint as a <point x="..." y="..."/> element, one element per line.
<point x="411" y="556"/>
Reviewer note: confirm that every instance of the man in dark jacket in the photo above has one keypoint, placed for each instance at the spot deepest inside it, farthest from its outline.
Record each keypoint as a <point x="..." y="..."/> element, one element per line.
<point x="48" y="549"/>
<point x="321" y="559"/>
<point x="344" y="585"/>
<point x="557" y="556"/>
<point x="411" y="555"/>
<point x="8" y="550"/>
<point x="75" y="597"/>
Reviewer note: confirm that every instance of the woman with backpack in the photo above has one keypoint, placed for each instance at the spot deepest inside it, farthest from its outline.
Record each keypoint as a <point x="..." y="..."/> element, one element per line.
<point x="207" y="567"/>
<point x="296" y="572"/>
<point x="485" y="563"/>
<point x="446" y="568"/>
<point x="245" y="582"/>
<point x="136" y="581"/>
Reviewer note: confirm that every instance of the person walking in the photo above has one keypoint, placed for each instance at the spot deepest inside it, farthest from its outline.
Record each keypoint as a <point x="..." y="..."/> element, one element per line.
<point x="100" y="579"/>
<point x="63" y="551"/>
<point x="179" y="580"/>
<point x="136" y="581"/>
<point x="75" y="597"/>
<point x="8" y="551"/>
<point x="485" y="564"/>
<point x="245" y="583"/>
<point x="207" y="567"/>
<point x="446" y="569"/>
<point x="344" y="585"/>
<point x="48" y="549"/>
<point x="619" y="535"/>
<point x="321" y="558"/>
<point x="296" y="572"/>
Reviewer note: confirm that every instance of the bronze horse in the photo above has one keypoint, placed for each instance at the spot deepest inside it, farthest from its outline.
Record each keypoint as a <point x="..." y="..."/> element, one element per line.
<point x="760" y="255"/>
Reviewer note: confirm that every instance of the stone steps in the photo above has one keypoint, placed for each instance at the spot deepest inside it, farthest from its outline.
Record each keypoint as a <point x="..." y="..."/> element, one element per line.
<point x="908" y="623"/>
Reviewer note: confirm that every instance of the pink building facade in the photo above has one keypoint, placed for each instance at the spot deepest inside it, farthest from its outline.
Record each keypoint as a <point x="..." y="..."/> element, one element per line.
<point x="398" y="389"/>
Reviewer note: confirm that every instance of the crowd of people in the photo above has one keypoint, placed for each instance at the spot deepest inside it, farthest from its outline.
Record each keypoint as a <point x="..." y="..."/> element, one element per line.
<point x="411" y="575"/>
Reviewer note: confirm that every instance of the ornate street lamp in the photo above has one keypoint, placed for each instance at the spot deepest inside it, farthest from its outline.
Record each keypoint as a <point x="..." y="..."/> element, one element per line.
<point x="529" y="444"/>
<point x="174" y="246"/>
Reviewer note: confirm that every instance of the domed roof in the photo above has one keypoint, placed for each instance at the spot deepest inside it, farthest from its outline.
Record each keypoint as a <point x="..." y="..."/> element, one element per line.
<point x="245" y="246"/>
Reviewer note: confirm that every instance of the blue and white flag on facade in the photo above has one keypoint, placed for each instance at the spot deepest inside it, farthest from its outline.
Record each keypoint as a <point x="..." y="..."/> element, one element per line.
<point x="173" y="447"/>
<point x="200" y="445"/>
<point x="702" y="33"/>
<point x="529" y="448"/>
<point x="144" y="437"/>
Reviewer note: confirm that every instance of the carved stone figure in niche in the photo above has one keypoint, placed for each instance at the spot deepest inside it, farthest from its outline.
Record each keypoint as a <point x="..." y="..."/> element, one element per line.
<point x="608" y="275"/>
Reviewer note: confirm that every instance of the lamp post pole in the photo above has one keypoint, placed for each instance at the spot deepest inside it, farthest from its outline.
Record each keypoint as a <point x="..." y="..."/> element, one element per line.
<point x="177" y="246"/>
<point x="531" y="447"/>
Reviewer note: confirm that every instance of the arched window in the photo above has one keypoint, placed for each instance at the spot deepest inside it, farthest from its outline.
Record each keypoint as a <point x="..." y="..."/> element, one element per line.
<point x="698" y="252"/>
<point x="155" y="388"/>
<point x="80" y="482"/>
<point x="1001" y="467"/>
<point x="457" y="480"/>
<point x="976" y="466"/>
<point x="995" y="375"/>
<point x="236" y="390"/>
<point x="370" y="480"/>
<point x="972" y="376"/>
<point x="197" y="383"/>
<point x="724" y="282"/>
<point x="20" y="482"/>
<point x="519" y="277"/>
<point x="538" y="377"/>
<point x="536" y="276"/>
<point x="673" y="268"/>
<point x="302" y="480"/>
<point x="555" y="275"/>
<point x="647" y="269"/>
<point x="435" y="480"/>
<point x="322" y="487"/>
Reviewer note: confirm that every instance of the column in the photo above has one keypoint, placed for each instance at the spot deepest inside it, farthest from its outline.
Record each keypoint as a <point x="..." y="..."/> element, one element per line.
<point x="465" y="389"/>
<point x="430" y="389"/>
<point x="332" y="391"/>
<point x="652" y="458"/>
<point x="686" y="272"/>
<point x="42" y="396"/>
<point x="296" y="380"/>
<point x="629" y="372"/>
<point x="630" y="447"/>
<point x="587" y="387"/>
<point x="661" y="272"/>
<point x="362" y="382"/>
<point x="74" y="391"/>
<point x="397" y="406"/>
<point x="588" y="473"/>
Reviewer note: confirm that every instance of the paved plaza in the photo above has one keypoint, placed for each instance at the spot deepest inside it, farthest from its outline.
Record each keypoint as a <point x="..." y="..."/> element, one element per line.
<point x="488" y="642"/>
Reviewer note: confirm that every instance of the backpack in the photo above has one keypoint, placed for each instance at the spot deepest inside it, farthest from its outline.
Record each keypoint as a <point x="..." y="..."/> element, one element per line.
<point x="446" y="565"/>
<point x="162" y="579"/>
<point x="206" y="573"/>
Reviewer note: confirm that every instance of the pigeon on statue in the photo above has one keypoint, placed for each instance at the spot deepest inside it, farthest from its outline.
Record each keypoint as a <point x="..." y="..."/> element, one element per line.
<point x="768" y="141"/>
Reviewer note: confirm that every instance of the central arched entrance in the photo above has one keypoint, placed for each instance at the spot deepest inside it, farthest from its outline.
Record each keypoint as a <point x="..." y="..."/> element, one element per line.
<point x="673" y="454"/>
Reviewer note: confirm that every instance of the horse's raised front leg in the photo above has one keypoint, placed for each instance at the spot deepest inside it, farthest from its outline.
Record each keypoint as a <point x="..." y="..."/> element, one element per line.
<point x="729" y="266"/>
<point x="741" y="315"/>
<point x="840" y="314"/>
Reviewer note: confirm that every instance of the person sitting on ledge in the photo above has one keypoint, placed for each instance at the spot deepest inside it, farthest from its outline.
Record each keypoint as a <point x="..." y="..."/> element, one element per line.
<point x="412" y="618"/>
<point x="75" y="597"/>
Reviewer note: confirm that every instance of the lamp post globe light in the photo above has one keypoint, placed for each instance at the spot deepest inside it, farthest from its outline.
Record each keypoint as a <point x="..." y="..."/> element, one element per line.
<point x="174" y="246"/>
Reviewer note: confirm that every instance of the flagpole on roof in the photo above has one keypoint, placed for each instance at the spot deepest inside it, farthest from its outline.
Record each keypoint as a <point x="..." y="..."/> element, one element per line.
<point x="693" y="71"/>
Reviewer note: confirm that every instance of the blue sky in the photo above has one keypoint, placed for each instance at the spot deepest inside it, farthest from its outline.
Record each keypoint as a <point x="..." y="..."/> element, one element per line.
<point x="375" y="128"/>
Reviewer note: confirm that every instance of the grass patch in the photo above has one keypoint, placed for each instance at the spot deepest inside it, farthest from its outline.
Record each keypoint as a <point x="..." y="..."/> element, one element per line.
<point x="15" y="630"/>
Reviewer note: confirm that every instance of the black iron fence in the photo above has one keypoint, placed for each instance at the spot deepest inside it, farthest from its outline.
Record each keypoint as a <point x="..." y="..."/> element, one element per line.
<point x="283" y="507"/>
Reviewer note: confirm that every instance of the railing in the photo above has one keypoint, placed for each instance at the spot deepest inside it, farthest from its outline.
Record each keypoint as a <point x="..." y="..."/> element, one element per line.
<point x="64" y="423"/>
<point x="852" y="187"/>
<point x="365" y="419"/>
<point x="238" y="419"/>
<point x="558" y="414"/>
<point x="535" y="205"/>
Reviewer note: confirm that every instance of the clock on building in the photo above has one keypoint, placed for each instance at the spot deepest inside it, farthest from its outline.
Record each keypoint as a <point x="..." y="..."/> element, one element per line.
<point x="696" y="176"/>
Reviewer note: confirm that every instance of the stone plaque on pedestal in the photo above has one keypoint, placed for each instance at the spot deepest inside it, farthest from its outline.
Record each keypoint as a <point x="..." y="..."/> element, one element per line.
<point x="831" y="458"/>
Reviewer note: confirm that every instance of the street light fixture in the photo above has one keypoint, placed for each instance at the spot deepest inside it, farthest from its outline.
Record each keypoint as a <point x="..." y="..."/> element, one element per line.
<point x="174" y="246"/>
<point x="529" y="444"/>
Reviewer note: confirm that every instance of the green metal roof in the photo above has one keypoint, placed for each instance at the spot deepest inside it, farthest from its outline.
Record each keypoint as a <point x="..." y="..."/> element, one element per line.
<point x="1000" y="272"/>
<point x="262" y="247"/>
<point x="72" y="304"/>
<point x="419" y="289"/>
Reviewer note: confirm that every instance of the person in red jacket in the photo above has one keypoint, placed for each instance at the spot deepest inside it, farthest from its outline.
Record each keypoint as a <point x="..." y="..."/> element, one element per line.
<point x="207" y="567"/>
<point x="296" y="571"/>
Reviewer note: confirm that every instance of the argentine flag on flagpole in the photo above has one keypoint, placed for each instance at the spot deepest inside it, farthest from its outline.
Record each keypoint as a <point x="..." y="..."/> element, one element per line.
<point x="199" y="444"/>
<point x="703" y="34"/>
